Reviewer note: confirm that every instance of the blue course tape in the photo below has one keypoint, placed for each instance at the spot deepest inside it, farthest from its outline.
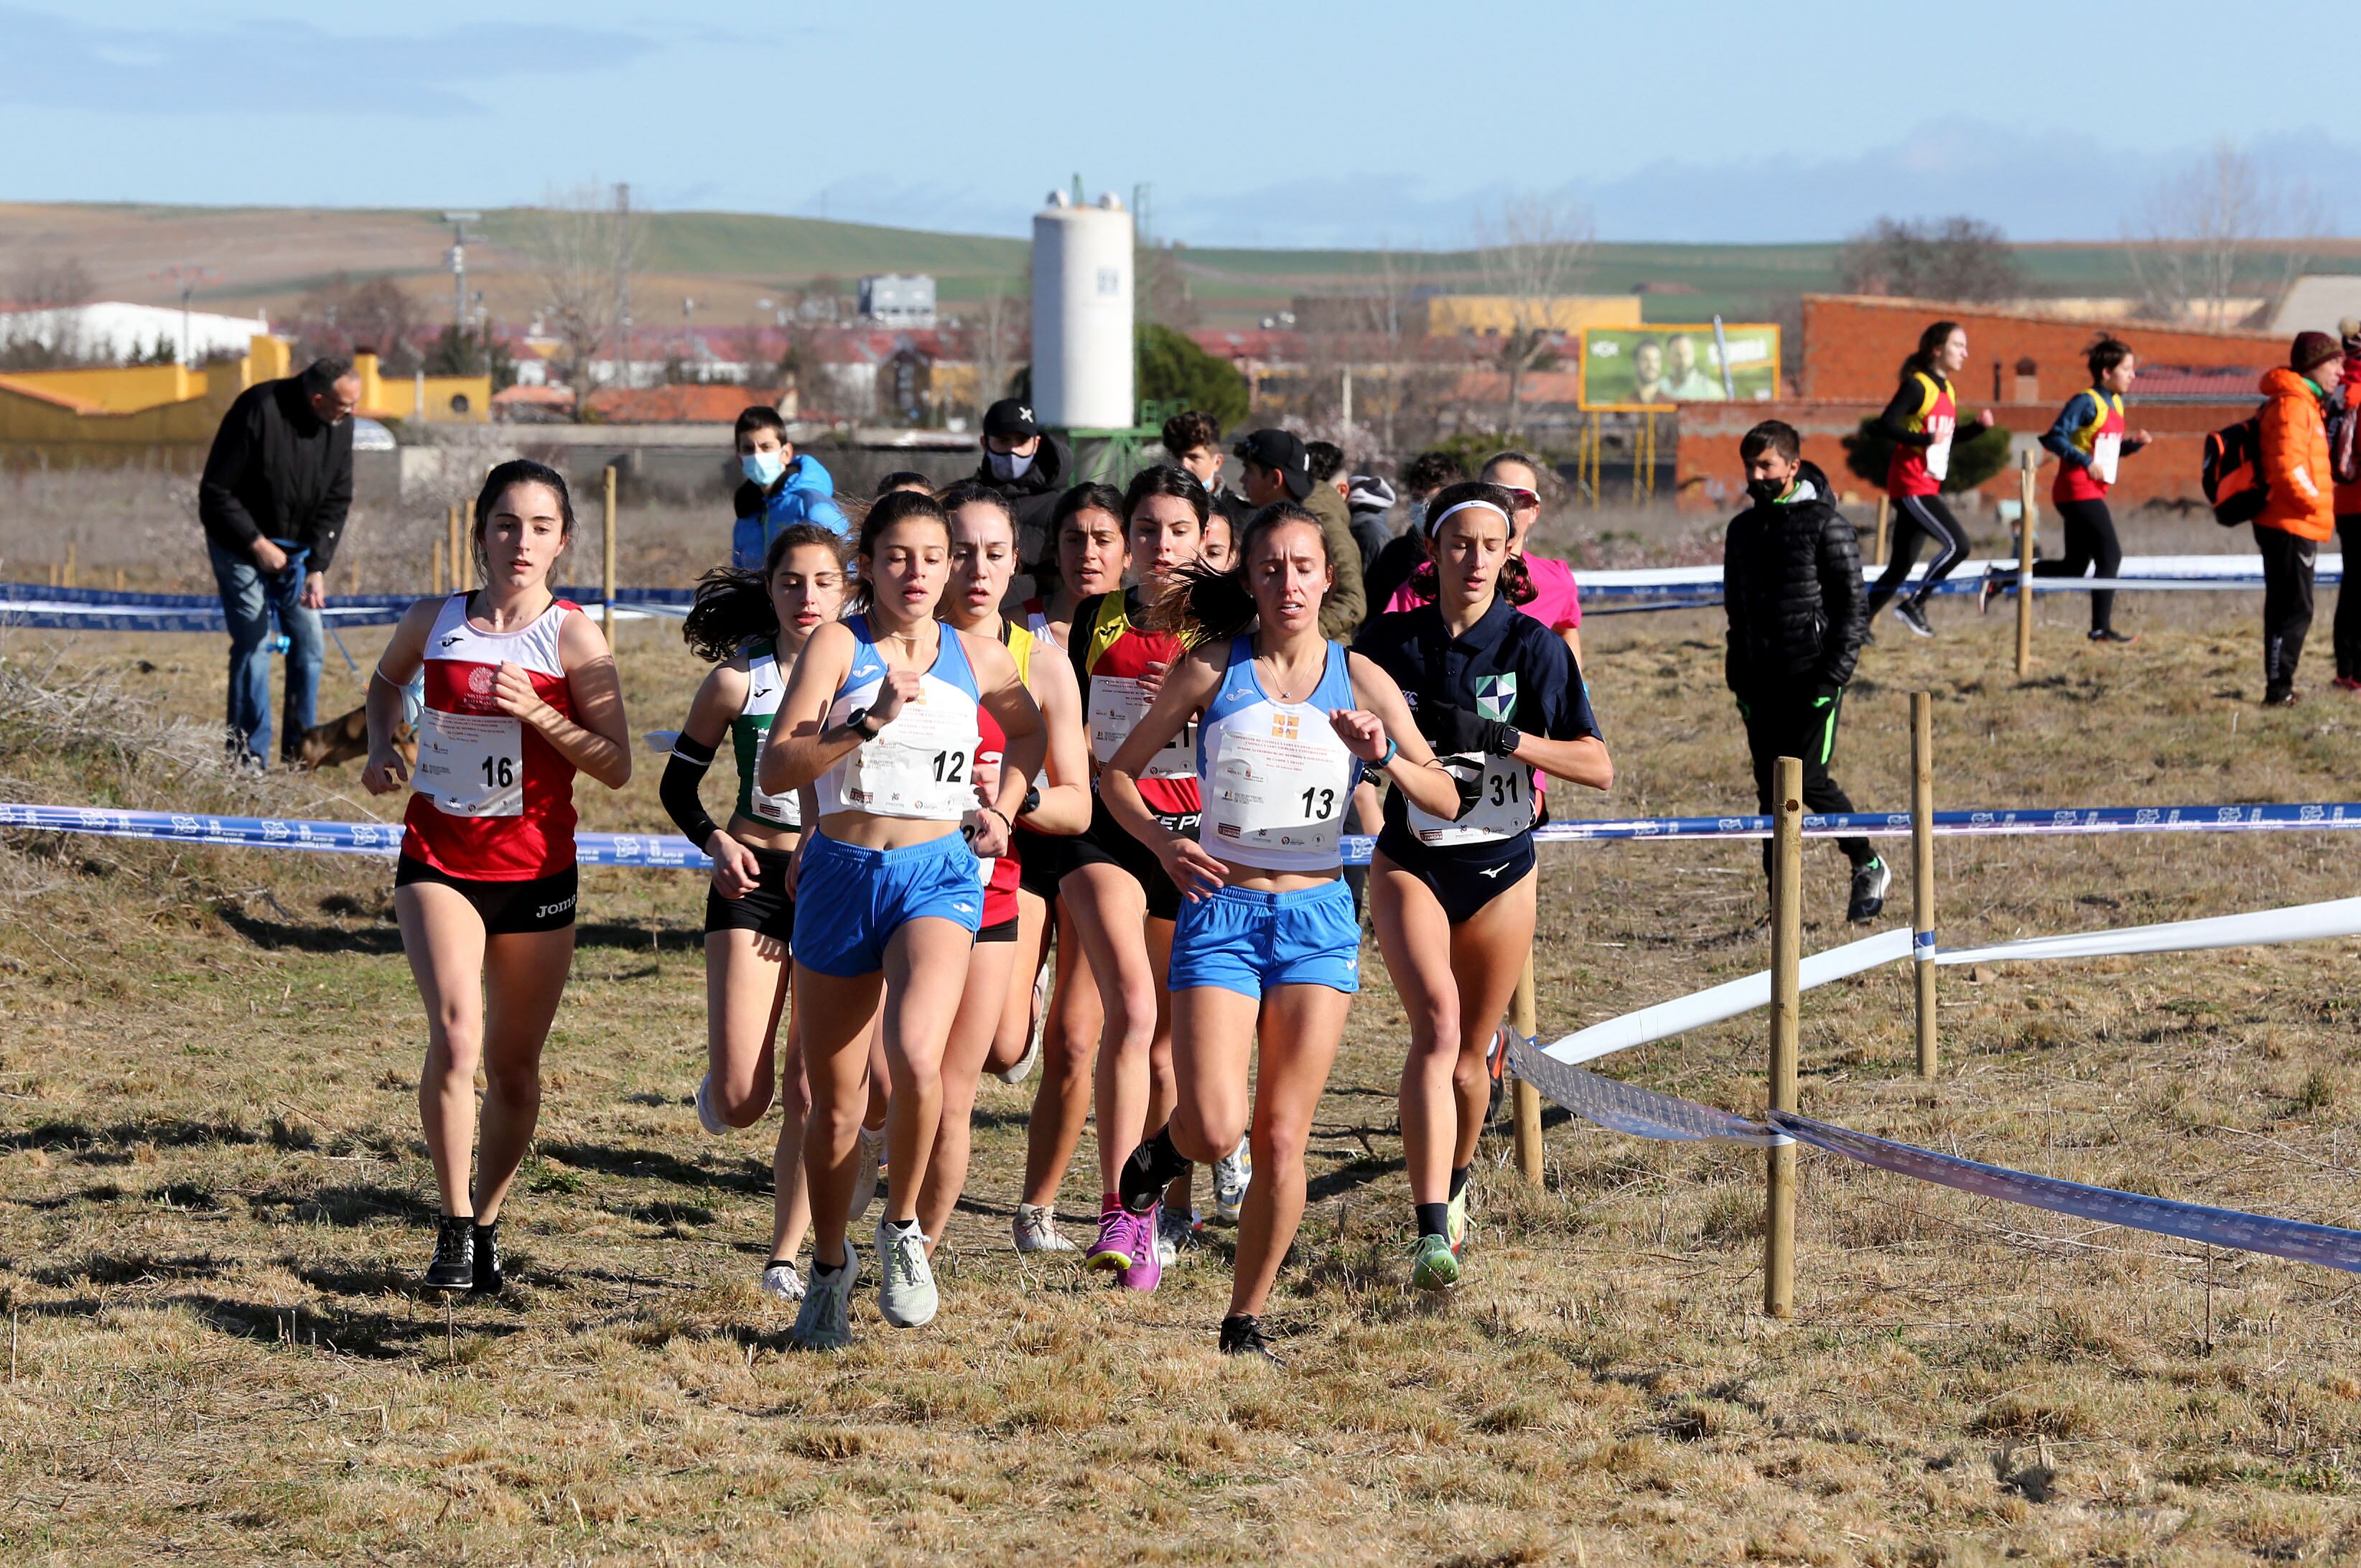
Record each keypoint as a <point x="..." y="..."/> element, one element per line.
<point x="1922" y="944"/>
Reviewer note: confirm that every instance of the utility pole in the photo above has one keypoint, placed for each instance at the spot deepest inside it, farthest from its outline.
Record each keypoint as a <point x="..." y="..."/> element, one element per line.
<point x="459" y="222"/>
<point x="188" y="277"/>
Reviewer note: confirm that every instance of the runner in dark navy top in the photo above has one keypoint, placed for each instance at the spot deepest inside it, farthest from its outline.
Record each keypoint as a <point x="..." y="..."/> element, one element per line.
<point x="1497" y="694"/>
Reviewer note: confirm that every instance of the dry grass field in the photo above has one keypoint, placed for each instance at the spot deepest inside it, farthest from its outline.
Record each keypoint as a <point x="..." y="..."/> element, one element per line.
<point x="213" y="1201"/>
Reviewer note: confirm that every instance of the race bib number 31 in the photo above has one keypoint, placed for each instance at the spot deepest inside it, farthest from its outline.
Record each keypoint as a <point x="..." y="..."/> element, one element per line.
<point x="472" y="764"/>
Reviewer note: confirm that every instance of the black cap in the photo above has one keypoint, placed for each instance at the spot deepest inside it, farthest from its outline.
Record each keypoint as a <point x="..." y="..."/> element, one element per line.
<point x="1282" y="450"/>
<point x="1010" y="418"/>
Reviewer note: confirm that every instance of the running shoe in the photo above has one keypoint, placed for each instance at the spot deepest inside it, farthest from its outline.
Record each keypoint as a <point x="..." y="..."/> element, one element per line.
<point x="1232" y="1175"/>
<point x="1870" y="881"/>
<point x="454" y="1268"/>
<point x="1022" y="1068"/>
<point x="1455" y="1222"/>
<point x="780" y="1280"/>
<point x="707" y="1116"/>
<point x="1173" y="1234"/>
<point x="1989" y="589"/>
<point x="2287" y="698"/>
<point x="1037" y="1229"/>
<point x="489" y="1277"/>
<point x="868" y="1160"/>
<point x="824" y="1323"/>
<point x="1147" y="1271"/>
<point x="2346" y="683"/>
<point x="1117" y="1241"/>
<point x="1913" y="614"/>
<point x="905" y="1285"/>
<point x="2109" y="634"/>
<point x="1433" y="1263"/>
<point x="1242" y="1335"/>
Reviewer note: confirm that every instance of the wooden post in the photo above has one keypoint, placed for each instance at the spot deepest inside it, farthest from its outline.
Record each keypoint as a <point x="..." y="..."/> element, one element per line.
<point x="439" y="589"/>
<point x="118" y="579"/>
<point x="610" y="555"/>
<point x="463" y="551"/>
<point x="1922" y="871"/>
<point x="2025" y="563"/>
<point x="70" y="581"/>
<point x="1884" y="520"/>
<point x="1786" y="936"/>
<point x="1522" y="1020"/>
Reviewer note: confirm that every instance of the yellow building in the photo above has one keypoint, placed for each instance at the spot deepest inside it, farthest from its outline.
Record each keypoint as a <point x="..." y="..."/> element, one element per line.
<point x="107" y="418"/>
<point x="1451" y="315"/>
<point x="423" y="398"/>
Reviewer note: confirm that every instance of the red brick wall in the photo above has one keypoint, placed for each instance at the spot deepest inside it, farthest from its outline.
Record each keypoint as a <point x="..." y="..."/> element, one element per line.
<point x="1854" y="345"/>
<point x="1710" y="476"/>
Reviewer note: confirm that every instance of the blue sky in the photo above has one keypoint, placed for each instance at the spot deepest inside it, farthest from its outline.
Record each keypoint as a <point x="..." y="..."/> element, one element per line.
<point x="1288" y="124"/>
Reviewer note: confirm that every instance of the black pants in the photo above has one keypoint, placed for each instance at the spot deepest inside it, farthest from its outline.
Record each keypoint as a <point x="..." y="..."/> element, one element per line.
<point x="2286" y="605"/>
<point x="2348" y="598"/>
<point x="2090" y="540"/>
<point x="1789" y="725"/>
<point x="1917" y="518"/>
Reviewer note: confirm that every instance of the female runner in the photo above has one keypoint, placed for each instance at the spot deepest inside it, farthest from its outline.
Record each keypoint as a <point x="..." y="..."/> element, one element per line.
<point x="1266" y="946"/>
<point x="996" y="1016"/>
<point x="1923" y="422"/>
<point x="1123" y="904"/>
<point x="880" y="716"/>
<point x="754" y="624"/>
<point x="520" y="693"/>
<point x="1454" y="895"/>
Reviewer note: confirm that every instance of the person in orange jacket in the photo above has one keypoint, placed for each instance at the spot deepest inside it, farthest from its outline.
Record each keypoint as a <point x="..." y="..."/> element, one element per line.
<point x="2348" y="521"/>
<point x="2299" y="510"/>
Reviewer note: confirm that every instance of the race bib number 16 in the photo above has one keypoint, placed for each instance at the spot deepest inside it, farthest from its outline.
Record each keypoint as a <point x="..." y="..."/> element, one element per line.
<point x="472" y="764"/>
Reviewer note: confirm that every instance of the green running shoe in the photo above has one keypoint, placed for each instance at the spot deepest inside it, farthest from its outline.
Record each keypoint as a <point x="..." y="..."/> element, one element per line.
<point x="1456" y="1213"/>
<point x="1433" y="1266"/>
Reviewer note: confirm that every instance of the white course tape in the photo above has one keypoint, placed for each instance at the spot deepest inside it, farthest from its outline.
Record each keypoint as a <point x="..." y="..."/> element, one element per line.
<point x="2299" y="923"/>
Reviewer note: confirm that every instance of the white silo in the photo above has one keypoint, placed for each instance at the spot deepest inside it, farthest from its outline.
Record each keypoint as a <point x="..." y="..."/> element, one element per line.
<point x="1081" y="315"/>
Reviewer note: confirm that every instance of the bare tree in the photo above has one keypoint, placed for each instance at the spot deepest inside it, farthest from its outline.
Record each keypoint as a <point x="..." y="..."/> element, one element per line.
<point x="46" y="331"/>
<point x="1531" y="255"/>
<point x="2219" y="232"/>
<point x="1000" y="324"/>
<point x="1949" y="258"/>
<point x="584" y="250"/>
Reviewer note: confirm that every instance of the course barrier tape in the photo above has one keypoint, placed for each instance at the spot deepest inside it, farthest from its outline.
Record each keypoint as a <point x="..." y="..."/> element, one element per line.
<point x="677" y="853"/>
<point x="2297" y="923"/>
<point x="103" y="610"/>
<point x="1644" y="1112"/>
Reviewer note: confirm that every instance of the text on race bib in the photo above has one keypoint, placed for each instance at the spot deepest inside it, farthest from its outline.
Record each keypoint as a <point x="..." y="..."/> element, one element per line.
<point x="1116" y="704"/>
<point x="919" y="766"/>
<point x="471" y="764"/>
<point x="1278" y="791"/>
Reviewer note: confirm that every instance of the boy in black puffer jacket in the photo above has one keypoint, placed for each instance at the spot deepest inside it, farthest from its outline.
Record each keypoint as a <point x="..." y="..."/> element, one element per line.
<point x="1791" y="585"/>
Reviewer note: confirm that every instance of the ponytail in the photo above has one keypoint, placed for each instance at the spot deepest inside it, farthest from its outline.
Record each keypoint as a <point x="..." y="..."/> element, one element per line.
<point x="733" y="606"/>
<point x="1930" y="343"/>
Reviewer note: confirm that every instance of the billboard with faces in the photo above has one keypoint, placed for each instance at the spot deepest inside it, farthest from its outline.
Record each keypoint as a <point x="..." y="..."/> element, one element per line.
<point x="1664" y="366"/>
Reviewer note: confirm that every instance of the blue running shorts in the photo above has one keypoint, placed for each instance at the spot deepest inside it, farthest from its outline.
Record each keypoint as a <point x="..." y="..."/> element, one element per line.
<point x="1248" y="942"/>
<point x="850" y="901"/>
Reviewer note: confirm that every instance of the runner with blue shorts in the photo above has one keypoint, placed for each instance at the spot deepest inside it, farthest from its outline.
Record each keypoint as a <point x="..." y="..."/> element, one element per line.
<point x="881" y="720"/>
<point x="1266" y="948"/>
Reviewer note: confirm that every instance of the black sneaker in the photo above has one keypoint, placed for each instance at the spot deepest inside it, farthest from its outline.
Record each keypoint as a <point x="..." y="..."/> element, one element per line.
<point x="1989" y="589"/>
<point x="1913" y="614"/>
<point x="454" y="1268"/>
<point x="487" y="1247"/>
<point x="1243" y="1336"/>
<point x="2109" y="634"/>
<point x="1870" y="881"/>
<point x="2284" y="697"/>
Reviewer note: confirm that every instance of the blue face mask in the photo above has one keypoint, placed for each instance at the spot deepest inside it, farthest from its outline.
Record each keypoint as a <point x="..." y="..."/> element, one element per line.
<point x="763" y="468"/>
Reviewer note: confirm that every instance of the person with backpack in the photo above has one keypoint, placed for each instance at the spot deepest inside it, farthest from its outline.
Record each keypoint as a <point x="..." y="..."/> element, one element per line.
<point x="2298" y="503"/>
<point x="2344" y="466"/>
<point x="2088" y="440"/>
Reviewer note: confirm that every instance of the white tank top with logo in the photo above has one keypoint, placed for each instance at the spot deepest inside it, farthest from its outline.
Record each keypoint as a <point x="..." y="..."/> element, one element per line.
<point x="922" y="763"/>
<point x="1277" y="780"/>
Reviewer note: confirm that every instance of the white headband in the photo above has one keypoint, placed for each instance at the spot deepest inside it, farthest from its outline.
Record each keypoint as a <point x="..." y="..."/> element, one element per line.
<point x="1435" y="524"/>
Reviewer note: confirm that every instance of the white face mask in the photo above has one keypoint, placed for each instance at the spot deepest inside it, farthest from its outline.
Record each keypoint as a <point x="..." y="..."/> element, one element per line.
<point x="763" y="468"/>
<point x="1010" y="465"/>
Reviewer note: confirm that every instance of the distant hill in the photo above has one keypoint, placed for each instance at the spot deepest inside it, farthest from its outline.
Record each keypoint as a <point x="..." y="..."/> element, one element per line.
<point x="723" y="263"/>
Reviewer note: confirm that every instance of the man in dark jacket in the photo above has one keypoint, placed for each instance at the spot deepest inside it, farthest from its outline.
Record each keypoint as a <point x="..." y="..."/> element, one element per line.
<point x="1278" y="468"/>
<point x="1032" y="470"/>
<point x="1791" y="586"/>
<point x="277" y="487"/>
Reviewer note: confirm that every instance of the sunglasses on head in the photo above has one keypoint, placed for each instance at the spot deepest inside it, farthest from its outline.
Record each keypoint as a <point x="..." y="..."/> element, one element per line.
<point x="1524" y="501"/>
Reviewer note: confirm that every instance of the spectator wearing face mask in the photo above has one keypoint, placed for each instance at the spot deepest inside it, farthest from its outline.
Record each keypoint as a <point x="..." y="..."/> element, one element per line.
<point x="779" y="490"/>
<point x="1030" y="471"/>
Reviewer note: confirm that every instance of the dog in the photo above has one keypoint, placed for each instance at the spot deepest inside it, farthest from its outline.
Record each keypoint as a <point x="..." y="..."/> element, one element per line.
<point x="345" y="739"/>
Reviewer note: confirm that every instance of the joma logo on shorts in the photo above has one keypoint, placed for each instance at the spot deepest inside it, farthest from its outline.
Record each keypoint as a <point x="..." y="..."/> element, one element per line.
<point x="547" y="910"/>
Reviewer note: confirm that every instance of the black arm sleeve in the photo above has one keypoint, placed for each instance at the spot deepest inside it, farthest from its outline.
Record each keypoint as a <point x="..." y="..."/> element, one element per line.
<point x="681" y="776"/>
<point x="1847" y="608"/>
<point x="1895" y="422"/>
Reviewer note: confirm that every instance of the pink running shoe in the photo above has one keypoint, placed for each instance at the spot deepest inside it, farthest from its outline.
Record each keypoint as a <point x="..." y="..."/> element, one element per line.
<point x="1118" y="1241"/>
<point x="1147" y="1271"/>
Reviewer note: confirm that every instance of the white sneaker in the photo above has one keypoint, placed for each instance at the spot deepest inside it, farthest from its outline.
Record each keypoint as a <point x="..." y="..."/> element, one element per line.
<point x="1022" y="1068"/>
<point x="1232" y="1173"/>
<point x="905" y="1285"/>
<point x="780" y="1280"/>
<point x="1037" y="1229"/>
<point x="1174" y="1231"/>
<point x="706" y="1117"/>
<point x="823" y="1323"/>
<point x="868" y="1160"/>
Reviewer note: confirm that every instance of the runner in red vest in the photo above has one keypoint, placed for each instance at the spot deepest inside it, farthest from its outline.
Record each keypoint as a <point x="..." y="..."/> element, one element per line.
<point x="1923" y="422"/>
<point x="521" y="695"/>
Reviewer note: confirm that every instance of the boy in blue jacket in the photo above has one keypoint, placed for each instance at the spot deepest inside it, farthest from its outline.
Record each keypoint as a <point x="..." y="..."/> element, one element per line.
<point x="780" y="489"/>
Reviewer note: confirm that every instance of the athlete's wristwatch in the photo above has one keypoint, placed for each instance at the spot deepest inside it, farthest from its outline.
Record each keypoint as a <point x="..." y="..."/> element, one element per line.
<point x="857" y="721"/>
<point x="1032" y="802"/>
